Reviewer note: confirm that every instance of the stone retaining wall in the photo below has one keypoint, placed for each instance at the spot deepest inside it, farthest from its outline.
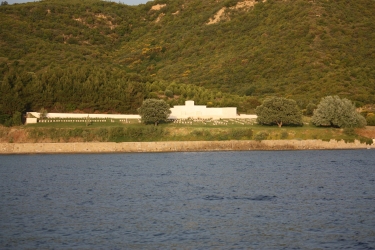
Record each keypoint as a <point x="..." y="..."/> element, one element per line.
<point x="175" y="146"/>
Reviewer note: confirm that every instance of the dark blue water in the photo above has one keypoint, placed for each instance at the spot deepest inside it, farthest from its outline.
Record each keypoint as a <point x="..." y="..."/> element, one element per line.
<point x="211" y="200"/>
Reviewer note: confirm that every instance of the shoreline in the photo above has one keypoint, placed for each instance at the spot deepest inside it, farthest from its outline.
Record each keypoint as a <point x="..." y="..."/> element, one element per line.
<point x="176" y="146"/>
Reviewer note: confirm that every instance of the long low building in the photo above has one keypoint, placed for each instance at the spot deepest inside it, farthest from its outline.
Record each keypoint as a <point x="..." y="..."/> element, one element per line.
<point x="189" y="110"/>
<point x="84" y="116"/>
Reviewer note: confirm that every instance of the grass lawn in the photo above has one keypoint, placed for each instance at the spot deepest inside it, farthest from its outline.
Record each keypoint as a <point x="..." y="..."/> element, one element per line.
<point x="188" y="130"/>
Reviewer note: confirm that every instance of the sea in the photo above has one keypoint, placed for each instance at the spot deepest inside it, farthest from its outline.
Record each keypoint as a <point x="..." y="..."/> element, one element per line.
<point x="317" y="199"/>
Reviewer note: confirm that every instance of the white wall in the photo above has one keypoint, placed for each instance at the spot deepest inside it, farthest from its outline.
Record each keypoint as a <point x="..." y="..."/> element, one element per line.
<point x="84" y="116"/>
<point x="201" y="111"/>
<point x="189" y="110"/>
<point x="31" y="120"/>
<point x="242" y="116"/>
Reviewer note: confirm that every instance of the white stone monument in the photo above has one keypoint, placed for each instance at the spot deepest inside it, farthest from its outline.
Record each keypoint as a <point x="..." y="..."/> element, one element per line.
<point x="189" y="110"/>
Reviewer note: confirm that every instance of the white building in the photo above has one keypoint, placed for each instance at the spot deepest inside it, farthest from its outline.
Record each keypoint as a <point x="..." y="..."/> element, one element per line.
<point x="201" y="111"/>
<point x="189" y="110"/>
<point x="36" y="115"/>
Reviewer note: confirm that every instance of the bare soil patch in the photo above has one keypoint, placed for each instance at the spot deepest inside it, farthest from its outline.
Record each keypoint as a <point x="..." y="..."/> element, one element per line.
<point x="221" y="15"/>
<point x="368" y="132"/>
<point x="158" y="6"/>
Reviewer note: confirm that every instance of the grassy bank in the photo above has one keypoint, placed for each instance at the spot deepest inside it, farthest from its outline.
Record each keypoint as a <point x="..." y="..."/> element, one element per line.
<point x="203" y="130"/>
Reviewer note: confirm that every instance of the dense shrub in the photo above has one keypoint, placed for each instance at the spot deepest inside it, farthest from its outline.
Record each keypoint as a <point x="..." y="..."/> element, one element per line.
<point x="238" y="134"/>
<point x="116" y="133"/>
<point x="201" y="134"/>
<point x="260" y="136"/>
<point x="370" y="119"/>
<point x="284" y="134"/>
<point x="15" y="120"/>
<point x="349" y="131"/>
<point x="366" y="140"/>
<point x="102" y="134"/>
<point x="310" y="109"/>
<point x="335" y="112"/>
<point x="4" y="118"/>
<point x="168" y="93"/>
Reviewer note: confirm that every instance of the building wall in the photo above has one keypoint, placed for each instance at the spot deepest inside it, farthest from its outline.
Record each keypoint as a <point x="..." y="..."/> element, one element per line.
<point x="189" y="110"/>
<point x="201" y="111"/>
<point x="31" y="120"/>
<point x="84" y="116"/>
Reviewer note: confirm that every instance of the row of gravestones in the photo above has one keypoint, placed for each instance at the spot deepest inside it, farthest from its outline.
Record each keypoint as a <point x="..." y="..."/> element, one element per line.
<point x="90" y="120"/>
<point x="72" y="120"/>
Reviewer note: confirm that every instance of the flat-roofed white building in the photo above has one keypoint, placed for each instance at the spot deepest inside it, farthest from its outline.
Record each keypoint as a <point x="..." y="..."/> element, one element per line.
<point x="201" y="111"/>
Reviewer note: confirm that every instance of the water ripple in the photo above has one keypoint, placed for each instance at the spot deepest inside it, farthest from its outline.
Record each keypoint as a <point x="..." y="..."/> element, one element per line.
<point x="211" y="200"/>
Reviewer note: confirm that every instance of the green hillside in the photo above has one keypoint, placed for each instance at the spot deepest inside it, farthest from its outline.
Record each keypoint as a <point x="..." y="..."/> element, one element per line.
<point x="102" y="56"/>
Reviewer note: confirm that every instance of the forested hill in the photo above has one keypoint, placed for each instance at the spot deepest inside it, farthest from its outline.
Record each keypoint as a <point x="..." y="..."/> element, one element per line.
<point x="103" y="56"/>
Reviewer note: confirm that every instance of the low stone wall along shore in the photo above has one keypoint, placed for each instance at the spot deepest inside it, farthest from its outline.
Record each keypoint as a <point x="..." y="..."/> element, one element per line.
<point x="176" y="146"/>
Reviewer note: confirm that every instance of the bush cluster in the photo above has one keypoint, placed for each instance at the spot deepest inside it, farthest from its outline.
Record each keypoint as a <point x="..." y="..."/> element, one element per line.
<point x="111" y="134"/>
<point x="370" y="119"/>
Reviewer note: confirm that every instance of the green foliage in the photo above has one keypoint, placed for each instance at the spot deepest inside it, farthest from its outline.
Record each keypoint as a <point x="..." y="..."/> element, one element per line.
<point x="154" y="111"/>
<point x="197" y="132"/>
<point x="229" y="134"/>
<point x="366" y="140"/>
<point x="9" y="121"/>
<point x="280" y="111"/>
<point x="57" y="134"/>
<point x="4" y="118"/>
<point x="140" y="133"/>
<point x="238" y="134"/>
<point x="133" y="131"/>
<point x="230" y="3"/>
<point x="102" y="134"/>
<point x="310" y="109"/>
<point x="43" y="113"/>
<point x="250" y="91"/>
<point x="349" y="131"/>
<point x="284" y="134"/>
<point x="97" y="55"/>
<point x="168" y="93"/>
<point x="260" y="136"/>
<point x="17" y="119"/>
<point x="115" y="134"/>
<point x="64" y="90"/>
<point x="370" y="119"/>
<point x="336" y="112"/>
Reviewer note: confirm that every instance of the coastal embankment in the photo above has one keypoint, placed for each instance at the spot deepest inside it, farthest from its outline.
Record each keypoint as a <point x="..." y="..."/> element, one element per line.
<point x="176" y="146"/>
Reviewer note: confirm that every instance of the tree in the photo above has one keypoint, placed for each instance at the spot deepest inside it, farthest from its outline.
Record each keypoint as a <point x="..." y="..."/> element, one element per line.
<point x="280" y="111"/>
<point x="43" y="113"/>
<point x="154" y="111"/>
<point x="370" y="119"/>
<point x="335" y="112"/>
<point x="310" y="109"/>
<point x="168" y="93"/>
<point x="17" y="119"/>
<point x="88" y="121"/>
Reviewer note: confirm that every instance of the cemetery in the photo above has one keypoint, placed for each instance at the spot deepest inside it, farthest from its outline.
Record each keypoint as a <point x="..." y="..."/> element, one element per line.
<point x="180" y="114"/>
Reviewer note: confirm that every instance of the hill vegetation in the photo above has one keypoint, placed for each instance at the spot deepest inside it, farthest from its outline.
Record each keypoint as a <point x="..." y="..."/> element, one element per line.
<point x="98" y="56"/>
